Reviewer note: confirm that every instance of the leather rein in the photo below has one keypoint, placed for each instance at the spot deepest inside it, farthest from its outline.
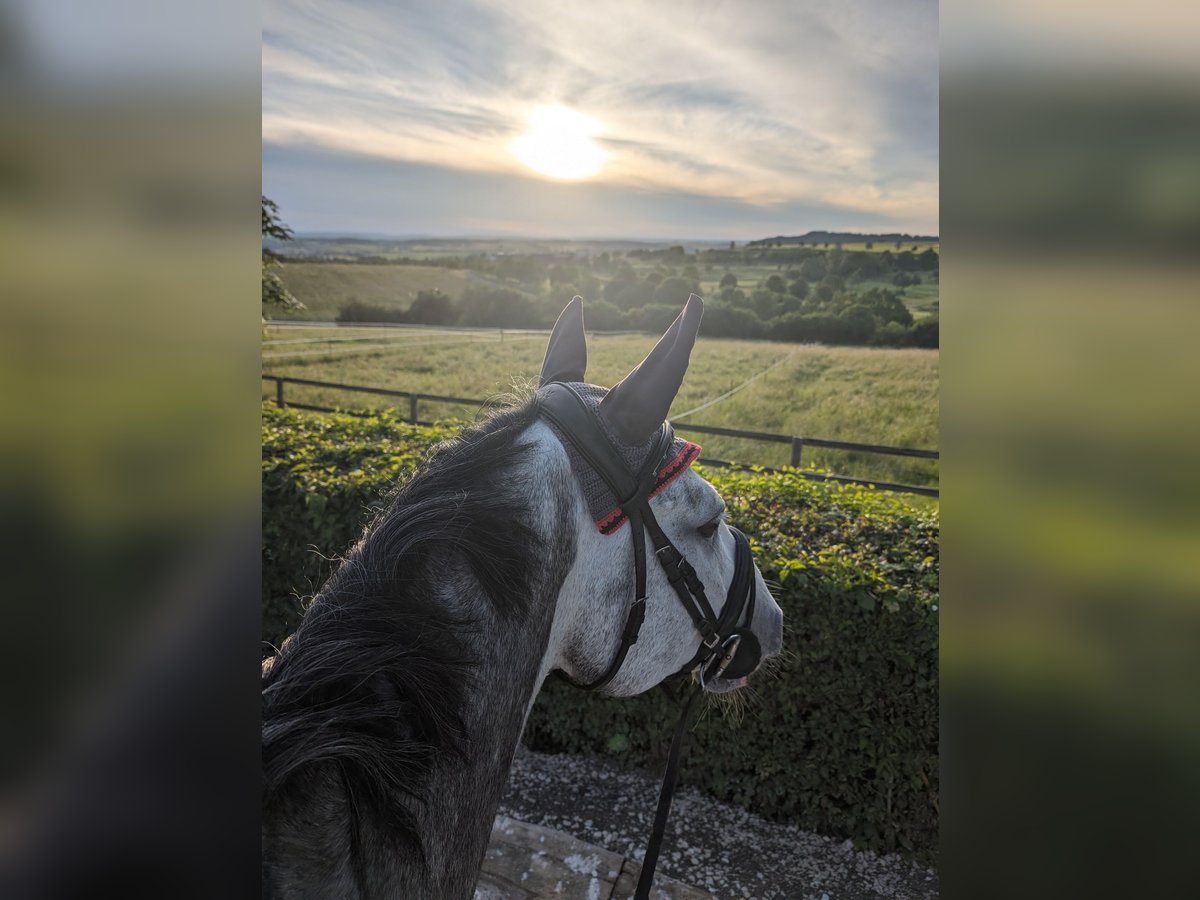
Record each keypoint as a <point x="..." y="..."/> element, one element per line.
<point x="728" y="648"/>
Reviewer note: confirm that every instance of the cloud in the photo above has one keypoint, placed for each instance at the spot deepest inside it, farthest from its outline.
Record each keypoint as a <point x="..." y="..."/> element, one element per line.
<point x="775" y="105"/>
<point x="323" y="190"/>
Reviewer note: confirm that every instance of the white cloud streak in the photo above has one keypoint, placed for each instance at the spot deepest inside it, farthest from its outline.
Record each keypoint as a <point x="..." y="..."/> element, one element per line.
<point x="763" y="103"/>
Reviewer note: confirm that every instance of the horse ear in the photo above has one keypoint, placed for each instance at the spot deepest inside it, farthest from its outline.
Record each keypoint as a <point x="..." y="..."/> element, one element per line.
<point x="636" y="407"/>
<point x="566" y="354"/>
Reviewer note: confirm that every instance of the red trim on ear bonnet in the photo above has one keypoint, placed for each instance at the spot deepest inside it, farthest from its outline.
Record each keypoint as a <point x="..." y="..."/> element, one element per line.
<point x="676" y="466"/>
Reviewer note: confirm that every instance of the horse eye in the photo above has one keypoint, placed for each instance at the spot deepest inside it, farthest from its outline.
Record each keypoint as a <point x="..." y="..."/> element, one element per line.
<point x="709" y="529"/>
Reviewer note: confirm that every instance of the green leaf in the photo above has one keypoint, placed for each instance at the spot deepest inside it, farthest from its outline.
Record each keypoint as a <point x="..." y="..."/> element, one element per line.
<point x="618" y="743"/>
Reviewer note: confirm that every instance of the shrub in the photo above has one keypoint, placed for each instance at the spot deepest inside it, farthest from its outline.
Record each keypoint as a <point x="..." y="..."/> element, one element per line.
<point x="432" y="308"/>
<point x="841" y="739"/>
<point x="859" y="322"/>
<point x="655" y="317"/>
<point x="798" y="288"/>
<point x="501" y="307"/>
<point x="603" y="316"/>
<point x="721" y="320"/>
<point x="892" y="334"/>
<point x="322" y="478"/>
<point x="358" y="311"/>
<point x="814" y="327"/>
<point x="673" y="290"/>
<point x="926" y="333"/>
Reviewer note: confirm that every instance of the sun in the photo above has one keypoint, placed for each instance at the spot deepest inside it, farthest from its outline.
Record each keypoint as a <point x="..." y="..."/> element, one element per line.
<point x="559" y="144"/>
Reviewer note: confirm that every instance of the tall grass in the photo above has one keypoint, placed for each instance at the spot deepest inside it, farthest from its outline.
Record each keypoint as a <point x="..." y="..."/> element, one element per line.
<point x="871" y="395"/>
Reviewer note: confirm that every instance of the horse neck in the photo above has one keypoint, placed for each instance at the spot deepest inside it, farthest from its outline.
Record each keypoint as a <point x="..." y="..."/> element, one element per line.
<point x="463" y="795"/>
<point x="350" y="855"/>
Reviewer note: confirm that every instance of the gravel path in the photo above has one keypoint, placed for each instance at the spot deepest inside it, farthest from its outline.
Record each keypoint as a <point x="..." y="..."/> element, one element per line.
<point x="712" y="845"/>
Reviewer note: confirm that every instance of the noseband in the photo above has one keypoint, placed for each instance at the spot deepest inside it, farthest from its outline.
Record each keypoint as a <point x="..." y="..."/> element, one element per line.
<point x="728" y="648"/>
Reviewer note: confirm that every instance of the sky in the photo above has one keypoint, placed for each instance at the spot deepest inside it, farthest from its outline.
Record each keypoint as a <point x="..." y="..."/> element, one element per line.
<point x="705" y="121"/>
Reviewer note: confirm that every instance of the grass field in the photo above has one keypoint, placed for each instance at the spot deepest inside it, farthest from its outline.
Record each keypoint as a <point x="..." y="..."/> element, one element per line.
<point x="324" y="288"/>
<point x="849" y="393"/>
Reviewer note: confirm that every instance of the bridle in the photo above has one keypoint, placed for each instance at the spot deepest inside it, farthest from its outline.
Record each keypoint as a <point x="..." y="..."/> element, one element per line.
<point x="728" y="648"/>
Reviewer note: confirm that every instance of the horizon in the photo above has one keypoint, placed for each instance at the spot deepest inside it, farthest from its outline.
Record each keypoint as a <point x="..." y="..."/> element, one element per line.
<point x="609" y="239"/>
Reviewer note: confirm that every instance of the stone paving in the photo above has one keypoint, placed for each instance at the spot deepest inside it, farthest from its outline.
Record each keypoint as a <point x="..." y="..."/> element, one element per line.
<point x="526" y="861"/>
<point x="720" y="848"/>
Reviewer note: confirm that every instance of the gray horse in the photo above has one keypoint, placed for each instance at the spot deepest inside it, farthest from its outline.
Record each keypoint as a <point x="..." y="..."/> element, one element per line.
<point x="391" y="716"/>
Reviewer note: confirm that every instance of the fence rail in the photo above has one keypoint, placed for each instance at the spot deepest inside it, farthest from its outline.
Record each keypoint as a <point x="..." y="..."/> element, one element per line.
<point x="797" y="443"/>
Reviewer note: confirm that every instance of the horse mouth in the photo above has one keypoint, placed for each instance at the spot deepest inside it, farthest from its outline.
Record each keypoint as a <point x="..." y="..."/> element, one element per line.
<point x="727" y="685"/>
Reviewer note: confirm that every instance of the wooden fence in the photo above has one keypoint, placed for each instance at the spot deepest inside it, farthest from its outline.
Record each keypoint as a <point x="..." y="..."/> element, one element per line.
<point x="797" y="443"/>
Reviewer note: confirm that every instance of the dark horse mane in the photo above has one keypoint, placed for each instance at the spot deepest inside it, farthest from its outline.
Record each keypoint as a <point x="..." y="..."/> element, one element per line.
<point x="370" y="688"/>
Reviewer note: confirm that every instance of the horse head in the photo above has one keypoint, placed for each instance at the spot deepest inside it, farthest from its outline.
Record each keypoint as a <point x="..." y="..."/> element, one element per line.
<point x="656" y="559"/>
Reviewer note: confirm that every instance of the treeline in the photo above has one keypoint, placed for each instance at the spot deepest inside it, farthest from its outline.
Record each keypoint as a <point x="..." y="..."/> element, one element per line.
<point x="534" y="268"/>
<point x="821" y="299"/>
<point x="846" y="237"/>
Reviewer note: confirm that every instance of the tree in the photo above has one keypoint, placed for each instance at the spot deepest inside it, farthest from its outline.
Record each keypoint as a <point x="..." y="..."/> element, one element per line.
<point x="672" y="290"/>
<point x="432" y="308"/>
<point x="732" y="296"/>
<point x="604" y="316"/>
<point x="621" y="282"/>
<point x="925" y="333"/>
<point x="776" y="283"/>
<point x="886" y="306"/>
<point x="860" y="324"/>
<point x="654" y="317"/>
<point x="766" y="304"/>
<point x="273" y="291"/>
<point x="727" y="321"/>
<point x="798" y="288"/>
<point x="271" y="224"/>
<point x="728" y="280"/>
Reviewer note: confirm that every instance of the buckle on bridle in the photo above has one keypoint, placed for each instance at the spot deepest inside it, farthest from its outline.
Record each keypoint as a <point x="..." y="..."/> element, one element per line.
<point x="730" y="648"/>
<point x="672" y="560"/>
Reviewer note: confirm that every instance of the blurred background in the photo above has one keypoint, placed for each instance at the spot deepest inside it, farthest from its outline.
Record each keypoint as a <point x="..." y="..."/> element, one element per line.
<point x="129" y="178"/>
<point x="129" y="169"/>
<point x="1071" y="621"/>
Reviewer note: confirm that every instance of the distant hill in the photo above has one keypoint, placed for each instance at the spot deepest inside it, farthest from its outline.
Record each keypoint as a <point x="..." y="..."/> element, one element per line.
<point x="350" y="247"/>
<point x="846" y="237"/>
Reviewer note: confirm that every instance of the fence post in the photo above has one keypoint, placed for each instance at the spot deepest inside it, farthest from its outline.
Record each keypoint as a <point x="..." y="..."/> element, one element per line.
<point x="279" y="393"/>
<point x="412" y="408"/>
<point x="797" y="448"/>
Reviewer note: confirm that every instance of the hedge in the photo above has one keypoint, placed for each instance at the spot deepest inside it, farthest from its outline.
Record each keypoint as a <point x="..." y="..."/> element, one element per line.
<point x="839" y="738"/>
